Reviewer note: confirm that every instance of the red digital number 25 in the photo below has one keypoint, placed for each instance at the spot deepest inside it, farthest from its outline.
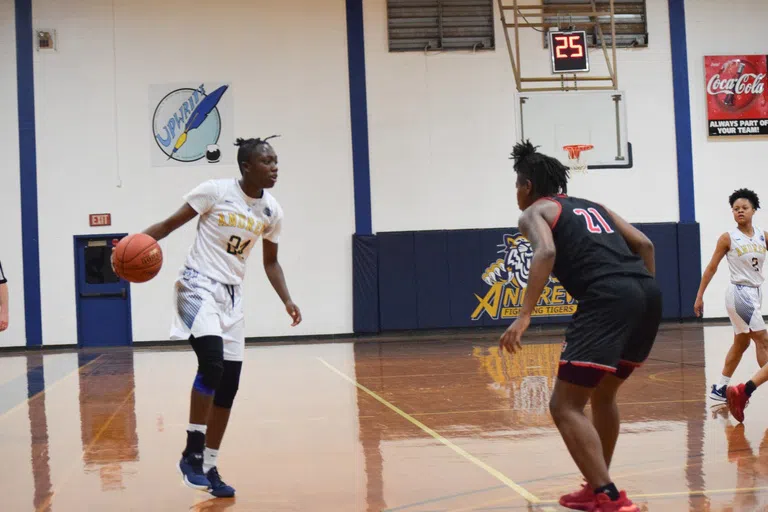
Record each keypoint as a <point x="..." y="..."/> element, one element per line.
<point x="565" y="42"/>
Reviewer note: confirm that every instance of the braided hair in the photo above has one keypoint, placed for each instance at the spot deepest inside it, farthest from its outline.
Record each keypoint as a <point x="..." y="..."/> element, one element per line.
<point x="248" y="146"/>
<point x="548" y="176"/>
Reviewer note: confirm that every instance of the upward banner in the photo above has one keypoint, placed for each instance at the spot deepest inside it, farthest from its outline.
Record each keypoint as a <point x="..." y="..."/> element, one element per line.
<point x="737" y="96"/>
<point x="192" y="124"/>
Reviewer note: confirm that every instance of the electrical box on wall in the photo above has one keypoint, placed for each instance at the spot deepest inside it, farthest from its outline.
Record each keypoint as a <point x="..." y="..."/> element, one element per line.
<point x="46" y="40"/>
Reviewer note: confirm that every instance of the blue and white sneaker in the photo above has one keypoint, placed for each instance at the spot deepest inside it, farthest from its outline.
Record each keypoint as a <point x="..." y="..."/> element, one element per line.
<point x="218" y="487"/>
<point x="191" y="469"/>
<point x="718" y="394"/>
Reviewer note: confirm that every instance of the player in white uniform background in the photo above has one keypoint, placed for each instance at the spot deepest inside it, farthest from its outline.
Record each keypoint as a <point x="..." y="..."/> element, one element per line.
<point x="744" y="248"/>
<point x="233" y="214"/>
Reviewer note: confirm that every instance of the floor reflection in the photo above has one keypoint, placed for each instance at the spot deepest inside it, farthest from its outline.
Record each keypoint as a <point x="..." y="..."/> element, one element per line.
<point x="104" y="429"/>
<point x="38" y="428"/>
<point x="108" y="417"/>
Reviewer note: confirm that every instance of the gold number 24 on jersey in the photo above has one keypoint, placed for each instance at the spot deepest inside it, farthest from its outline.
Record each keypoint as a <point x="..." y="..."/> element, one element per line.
<point x="236" y="246"/>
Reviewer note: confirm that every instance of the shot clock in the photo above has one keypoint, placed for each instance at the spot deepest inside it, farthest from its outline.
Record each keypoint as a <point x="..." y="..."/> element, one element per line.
<point x="569" y="51"/>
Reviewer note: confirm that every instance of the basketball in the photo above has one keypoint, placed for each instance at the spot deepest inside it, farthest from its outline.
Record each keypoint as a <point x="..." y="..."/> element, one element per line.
<point x="137" y="258"/>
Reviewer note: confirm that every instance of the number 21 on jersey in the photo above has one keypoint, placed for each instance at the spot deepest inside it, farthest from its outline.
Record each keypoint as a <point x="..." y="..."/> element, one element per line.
<point x="595" y="222"/>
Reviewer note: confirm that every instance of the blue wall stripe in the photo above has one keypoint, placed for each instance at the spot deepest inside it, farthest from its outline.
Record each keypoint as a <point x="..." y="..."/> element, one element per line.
<point x="358" y="102"/>
<point x="28" y="171"/>
<point x="682" y="111"/>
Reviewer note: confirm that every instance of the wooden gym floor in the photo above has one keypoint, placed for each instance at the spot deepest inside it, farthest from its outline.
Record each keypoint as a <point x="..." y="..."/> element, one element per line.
<point x="432" y="422"/>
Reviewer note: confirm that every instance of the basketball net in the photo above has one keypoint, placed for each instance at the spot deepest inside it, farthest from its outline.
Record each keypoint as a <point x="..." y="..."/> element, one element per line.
<point x="577" y="161"/>
<point x="532" y="395"/>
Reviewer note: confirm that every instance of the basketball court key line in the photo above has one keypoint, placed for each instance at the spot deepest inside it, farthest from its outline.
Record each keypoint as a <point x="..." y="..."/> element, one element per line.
<point x="693" y="493"/>
<point x="530" y="498"/>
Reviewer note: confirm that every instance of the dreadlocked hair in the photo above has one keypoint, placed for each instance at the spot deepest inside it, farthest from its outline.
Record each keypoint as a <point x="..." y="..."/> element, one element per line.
<point x="548" y="176"/>
<point x="248" y="146"/>
<point x="745" y="193"/>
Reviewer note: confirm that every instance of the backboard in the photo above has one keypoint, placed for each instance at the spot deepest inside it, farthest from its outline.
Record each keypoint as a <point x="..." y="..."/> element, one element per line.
<point x="552" y="120"/>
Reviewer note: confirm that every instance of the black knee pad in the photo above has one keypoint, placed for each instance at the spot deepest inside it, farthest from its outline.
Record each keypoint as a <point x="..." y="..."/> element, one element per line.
<point x="230" y="382"/>
<point x="210" y="363"/>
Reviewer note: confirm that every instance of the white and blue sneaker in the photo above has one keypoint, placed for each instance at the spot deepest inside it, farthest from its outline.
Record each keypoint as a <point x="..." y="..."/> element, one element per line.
<point x="218" y="487"/>
<point x="718" y="394"/>
<point x="191" y="468"/>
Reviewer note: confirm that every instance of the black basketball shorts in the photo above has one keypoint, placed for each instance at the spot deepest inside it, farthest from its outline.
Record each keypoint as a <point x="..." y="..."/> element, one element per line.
<point x="614" y="326"/>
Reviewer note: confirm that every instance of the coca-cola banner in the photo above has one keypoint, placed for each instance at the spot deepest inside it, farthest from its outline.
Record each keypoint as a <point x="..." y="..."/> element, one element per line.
<point x="737" y="96"/>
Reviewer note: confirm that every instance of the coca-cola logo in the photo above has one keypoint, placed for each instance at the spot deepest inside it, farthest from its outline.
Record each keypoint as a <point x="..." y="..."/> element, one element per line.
<point x="736" y="85"/>
<point x="737" y="94"/>
<point x="748" y="83"/>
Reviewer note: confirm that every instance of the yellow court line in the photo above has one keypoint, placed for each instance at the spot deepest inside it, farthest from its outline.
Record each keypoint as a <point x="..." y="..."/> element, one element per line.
<point x="530" y="498"/>
<point x="47" y="389"/>
<point x="702" y="492"/>
<point x="509" y="409"/>
<point x="588" y="405"/>
<point x="655" y="376"/>
<point x="654" y="402"/>
<point x="47" y="503"/>
<point x="408" y="375"/>
<point x="634" y="496"/>
<point x="633" y="473"/>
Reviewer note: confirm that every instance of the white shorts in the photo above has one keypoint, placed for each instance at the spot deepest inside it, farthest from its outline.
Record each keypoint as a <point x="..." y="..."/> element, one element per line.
<point x="205" y="307"/>
<point x="744" y="308"/>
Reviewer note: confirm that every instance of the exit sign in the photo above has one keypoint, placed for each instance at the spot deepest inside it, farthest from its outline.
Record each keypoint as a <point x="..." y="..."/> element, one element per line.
<point x="100" y="219"/>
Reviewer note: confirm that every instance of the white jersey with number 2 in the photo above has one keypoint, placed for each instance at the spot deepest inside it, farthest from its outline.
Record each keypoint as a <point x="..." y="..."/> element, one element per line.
<point x="746" y="257"/>
<point x="229" y="226"/>
<point x="743" y="297"/>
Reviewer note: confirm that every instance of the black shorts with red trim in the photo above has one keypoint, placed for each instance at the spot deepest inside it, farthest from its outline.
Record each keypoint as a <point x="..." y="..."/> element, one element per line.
<point x="614" y="326"/>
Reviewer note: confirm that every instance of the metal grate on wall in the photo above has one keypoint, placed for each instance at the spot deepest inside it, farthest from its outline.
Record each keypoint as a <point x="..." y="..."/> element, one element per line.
<point x="630" y="20"/>
<point x="420" y="25"/>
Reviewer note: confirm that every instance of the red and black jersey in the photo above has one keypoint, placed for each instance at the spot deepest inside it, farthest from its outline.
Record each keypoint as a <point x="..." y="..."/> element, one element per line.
<point x="589" y="246"/>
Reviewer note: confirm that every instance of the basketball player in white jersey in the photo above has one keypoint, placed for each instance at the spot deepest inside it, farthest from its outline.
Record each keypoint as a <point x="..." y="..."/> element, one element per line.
<point x="234" y="213"/>
<point x="744" y="248"/>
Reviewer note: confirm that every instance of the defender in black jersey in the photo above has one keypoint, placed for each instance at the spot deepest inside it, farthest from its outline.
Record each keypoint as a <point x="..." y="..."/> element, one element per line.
<point x="607" y="265"/>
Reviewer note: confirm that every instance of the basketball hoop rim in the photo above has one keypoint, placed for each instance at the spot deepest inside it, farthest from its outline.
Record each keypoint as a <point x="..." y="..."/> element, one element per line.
<point x="574" y="156"/>
<point x="574" y="150"/>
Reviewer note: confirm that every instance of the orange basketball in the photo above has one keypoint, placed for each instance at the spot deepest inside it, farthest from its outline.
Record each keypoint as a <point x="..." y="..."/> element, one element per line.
<point x="137" y="258"/>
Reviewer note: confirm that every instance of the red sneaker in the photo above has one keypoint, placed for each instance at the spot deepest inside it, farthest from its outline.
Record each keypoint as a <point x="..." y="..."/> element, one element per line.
<point x="579" y="500"/>
<point x="737" y="400"/>
<point x="603" y="503"/>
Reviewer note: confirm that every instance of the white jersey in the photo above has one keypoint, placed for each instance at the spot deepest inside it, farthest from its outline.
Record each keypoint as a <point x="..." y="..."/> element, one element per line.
<point x="229" y="226"/>
<point x="746" y="257"/>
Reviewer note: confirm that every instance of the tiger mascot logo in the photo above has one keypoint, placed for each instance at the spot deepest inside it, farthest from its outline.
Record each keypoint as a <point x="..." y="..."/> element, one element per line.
<point x="515" y="265"/>
<point x="508" y="279"/>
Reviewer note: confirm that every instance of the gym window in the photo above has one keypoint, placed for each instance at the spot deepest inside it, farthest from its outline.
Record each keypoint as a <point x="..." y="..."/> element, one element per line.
<point x="447" y="25"/>
<point x="631" y="21"/>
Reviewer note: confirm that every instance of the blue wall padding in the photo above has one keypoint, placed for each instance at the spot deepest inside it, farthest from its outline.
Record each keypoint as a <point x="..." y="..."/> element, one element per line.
<point x="465" y="257"/>
<point x="689" y="266"/>
<point x="432" y="285"/>
<point x="365" y="283"/>
<point x="398" y="306"/>
<point x="664" y="238"/>
<point x="430" y="279"/>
